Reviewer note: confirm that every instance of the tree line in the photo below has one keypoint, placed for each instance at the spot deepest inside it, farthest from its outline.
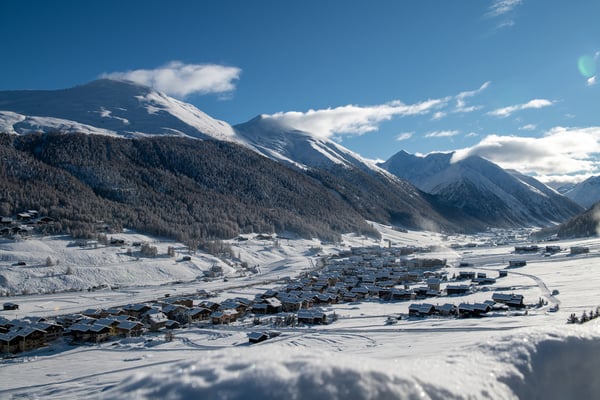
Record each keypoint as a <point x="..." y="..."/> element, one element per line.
<point x="190" y="190"/>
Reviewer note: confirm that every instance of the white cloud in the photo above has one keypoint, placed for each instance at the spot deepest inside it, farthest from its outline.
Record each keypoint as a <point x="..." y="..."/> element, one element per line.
<point x="528" y="127"/>
<point x="561" y="151"/>
<point x="472" y="134"/>
<point x="357" y="120"/>
<point x="461" y="106"/>
<point x="460" y="98"/>
<point x="439" y="115"/>
<point x="404" y="136"/>
<point x="556" y="181"/>
<point x="507" y="111"/>
<point x="352" y="119"/>
<point x="501" y="7"/>
<point x="180" y="80"/>
<point x="439" y="134"/>
<point x="591" y="81"/>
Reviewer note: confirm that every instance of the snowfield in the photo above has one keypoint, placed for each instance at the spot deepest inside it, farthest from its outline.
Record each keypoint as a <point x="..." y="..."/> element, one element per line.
<point x="516" y="354"/>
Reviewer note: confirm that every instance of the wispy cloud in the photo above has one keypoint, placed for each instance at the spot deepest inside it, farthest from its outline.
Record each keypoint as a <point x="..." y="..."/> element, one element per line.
<point x="439" y="115"/>
<point x="503" y="9"/>
<point x="528" y="127"/>
<point x="404" y="136"/>
<point x="440" y="134"/>
<point x="352" y="119"/>
<point x="591" y="81"/>
<point x="181" y="80"/>
<point x="461" y="106"/>
<point x="460" y="98"/>
<point x="507" y="111"/>
<point x="560" y="151"/>
<point x="358" y="120"/>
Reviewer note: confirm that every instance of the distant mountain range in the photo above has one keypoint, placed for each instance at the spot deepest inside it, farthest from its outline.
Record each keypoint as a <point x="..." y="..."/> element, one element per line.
<point x="339" y="189"/>
<point x="482" y="189"/>
<point x="586" y="193"/>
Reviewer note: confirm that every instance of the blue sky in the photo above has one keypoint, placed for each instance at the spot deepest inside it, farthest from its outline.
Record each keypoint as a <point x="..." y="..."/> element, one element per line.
<point x="511" y="80"/>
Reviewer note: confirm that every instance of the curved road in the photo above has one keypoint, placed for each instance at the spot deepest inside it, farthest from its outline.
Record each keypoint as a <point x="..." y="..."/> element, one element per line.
<point x="541" y="285"/>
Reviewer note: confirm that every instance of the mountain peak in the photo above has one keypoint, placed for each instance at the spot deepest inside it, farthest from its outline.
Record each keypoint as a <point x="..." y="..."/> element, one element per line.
<point x="483" y="189"/>
<point x="107" y="106"/>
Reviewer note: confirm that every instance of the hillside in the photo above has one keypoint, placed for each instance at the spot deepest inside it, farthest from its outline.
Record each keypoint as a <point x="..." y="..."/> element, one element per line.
<point x="586" y="224"/>
<point x="373" y="192"/>
<point x="357" y="189"/>
<point x="585" y="193"/>
<point x="178" y="187"/>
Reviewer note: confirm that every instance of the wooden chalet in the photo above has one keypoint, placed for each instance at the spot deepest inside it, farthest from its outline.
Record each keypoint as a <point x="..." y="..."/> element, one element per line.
<point x="420" y="310"/>
<point x="466" y="275"/>
<point x="176" y="312"/>
<point x="100" y="333"/>
<point x="270" y="305"/>
<point x="290" y="303"/>
<point x="155" y="320"/>
<point x="223" y="317"/>
<point x="10" y="342"/>
<point x="579" y="250"/>
<point x="457" y="289"/>
<point x="137" y="310"/>
<point x="312" y="317"/>
<point x="129" y="328"/>
<point x="446" y="309"/>
<point x="510" y="300"/>
<point x="257" y="337"/>
<point x="199" y="314"/>
<point x="466" y="310"/>
<point x="402" y="294"/>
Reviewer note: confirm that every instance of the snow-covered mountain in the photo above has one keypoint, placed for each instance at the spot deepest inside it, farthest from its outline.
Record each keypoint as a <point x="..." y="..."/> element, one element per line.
<point x="374" y="192"/>
<point x="586" y="193"/>
<point x="124" y="109"/>
<point x="302" y="149"/>
<point x="127" y="109"/>
<point x="107" y="107"/>
<point x="484" y="190"/>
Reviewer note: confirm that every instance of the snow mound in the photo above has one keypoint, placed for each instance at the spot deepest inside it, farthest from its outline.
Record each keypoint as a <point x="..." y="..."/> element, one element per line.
<point x="262" y="376"/>
<point x="553" y="365"/>
<point x="548" y="365"/>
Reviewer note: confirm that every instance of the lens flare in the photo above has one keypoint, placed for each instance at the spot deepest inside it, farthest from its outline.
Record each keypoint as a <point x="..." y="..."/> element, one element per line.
<point x="587" y="66"/>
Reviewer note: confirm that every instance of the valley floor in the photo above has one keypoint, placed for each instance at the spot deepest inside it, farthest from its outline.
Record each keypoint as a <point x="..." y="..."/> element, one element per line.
<point x="517" y="354"/>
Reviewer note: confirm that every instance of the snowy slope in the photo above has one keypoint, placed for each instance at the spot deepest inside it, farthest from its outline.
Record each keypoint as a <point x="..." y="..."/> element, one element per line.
<point x="483" y="189"/>
<point x="536" y="355"/>
<point x="364" y="184"/>
<point x="585" y="193"/>
<point x="123" y="108"/>
<point x="302" y="149"/>
<point x="107" y="106"/>
<point x="525" y="365"/>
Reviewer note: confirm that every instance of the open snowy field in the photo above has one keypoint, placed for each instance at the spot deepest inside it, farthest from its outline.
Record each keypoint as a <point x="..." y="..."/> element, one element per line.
<point x="504" y="355"/>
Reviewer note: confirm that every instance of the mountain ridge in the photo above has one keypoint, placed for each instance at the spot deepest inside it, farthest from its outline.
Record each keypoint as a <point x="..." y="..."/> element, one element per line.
<point x="119" y="108"/>
<point x="585" y="193"/>
<point x="123" y="109"/>
<point x="484" y="190"/>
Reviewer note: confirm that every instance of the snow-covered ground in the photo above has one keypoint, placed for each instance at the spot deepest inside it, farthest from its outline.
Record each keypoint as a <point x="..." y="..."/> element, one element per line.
<point x="514" y="355"/>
